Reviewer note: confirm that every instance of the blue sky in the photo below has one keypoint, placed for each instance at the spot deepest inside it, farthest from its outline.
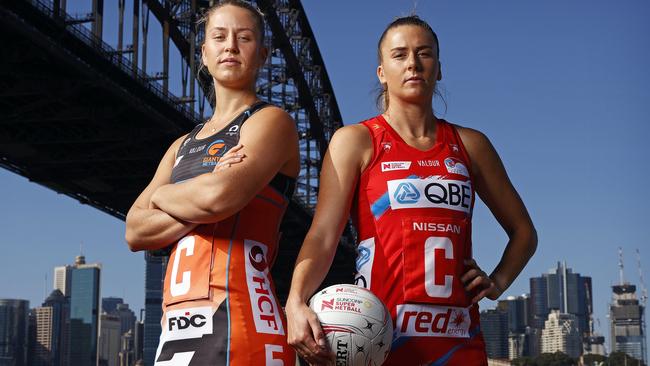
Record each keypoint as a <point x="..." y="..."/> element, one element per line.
<point x="560" y="88"/>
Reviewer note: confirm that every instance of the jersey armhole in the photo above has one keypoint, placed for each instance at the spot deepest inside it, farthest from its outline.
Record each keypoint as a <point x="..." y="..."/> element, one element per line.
<point x="463" y="150"/>
<point x="375" y="154"/>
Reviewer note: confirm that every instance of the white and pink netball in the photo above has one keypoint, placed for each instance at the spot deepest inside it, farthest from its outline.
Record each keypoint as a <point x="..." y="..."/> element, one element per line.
<point x="357" y="324"/>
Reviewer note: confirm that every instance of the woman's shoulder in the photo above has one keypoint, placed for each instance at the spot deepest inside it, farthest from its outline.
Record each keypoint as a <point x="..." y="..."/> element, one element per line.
<point x="472" y="139"/>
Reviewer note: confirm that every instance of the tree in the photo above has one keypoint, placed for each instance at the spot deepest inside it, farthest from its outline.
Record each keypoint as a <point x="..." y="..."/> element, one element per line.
<point x="555" y="359"/>
<point x="623" y="359"/>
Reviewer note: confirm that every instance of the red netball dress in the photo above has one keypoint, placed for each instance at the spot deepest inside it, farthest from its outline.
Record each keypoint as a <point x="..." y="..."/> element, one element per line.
<point x="413" y="213"/>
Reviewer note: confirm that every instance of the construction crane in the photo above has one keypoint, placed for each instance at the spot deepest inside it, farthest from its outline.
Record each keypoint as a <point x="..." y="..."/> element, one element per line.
<point x="643" y="293"/>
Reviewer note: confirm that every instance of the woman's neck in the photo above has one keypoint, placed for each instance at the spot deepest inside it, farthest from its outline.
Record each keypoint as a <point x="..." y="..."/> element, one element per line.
<point x="411" y="120"/>
<point x="230" y="102"/>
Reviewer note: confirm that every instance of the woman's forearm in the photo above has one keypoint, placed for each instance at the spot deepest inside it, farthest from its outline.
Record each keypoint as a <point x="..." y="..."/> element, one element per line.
<point x="520" y="249"/>
<point x="150" y="229"/>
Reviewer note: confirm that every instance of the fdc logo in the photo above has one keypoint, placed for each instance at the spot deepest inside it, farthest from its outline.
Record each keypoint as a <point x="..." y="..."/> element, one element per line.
<point x="184" y="322"/>
<point x="406" y="193"/>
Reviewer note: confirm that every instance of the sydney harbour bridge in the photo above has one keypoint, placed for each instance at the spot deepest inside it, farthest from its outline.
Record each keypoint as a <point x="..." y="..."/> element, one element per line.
<point x="85" y="114"/>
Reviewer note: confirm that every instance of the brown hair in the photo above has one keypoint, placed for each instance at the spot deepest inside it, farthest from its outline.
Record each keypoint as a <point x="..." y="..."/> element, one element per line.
<point x="414" y="20"/>
<point x="202" y="73"/>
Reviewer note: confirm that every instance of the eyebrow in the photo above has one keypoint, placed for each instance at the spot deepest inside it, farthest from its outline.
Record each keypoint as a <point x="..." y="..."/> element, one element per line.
<point x="236" y="29"/>
<point x="417" y="48"/>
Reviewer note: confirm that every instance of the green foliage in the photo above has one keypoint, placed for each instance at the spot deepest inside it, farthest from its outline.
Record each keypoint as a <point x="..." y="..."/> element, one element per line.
<point x="623" y="359"/>
<point x="561" y="359"/>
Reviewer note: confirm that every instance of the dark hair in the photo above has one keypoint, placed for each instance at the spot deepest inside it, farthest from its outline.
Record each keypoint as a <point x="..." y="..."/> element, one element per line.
<point x="414" y="20"/>
<point x="203" y="74"/>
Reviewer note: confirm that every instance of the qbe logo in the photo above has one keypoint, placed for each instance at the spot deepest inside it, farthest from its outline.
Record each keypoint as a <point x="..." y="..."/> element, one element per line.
<point x="432" y="192"/>
<point x="406" y="193"/>
<point x="188" y="323"/>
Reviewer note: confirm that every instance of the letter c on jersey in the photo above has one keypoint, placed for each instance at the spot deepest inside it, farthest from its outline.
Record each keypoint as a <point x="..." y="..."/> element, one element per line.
<point x="183" y="287"/>
<point x="430" y="246"/>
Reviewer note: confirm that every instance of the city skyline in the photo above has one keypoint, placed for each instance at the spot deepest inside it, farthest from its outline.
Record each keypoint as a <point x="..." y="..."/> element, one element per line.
<point x="562" y="98"/>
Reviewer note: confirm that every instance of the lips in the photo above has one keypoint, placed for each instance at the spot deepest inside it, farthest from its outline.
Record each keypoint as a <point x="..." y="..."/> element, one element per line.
<point x="229" y="60"/>
<point x="414" y="79"/>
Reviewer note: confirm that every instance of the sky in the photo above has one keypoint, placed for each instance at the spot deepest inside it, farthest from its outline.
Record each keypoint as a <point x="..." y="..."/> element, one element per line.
<point x="560" y="88"/>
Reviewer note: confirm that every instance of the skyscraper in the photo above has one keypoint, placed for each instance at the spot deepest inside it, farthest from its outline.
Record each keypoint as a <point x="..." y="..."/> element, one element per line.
<point x="562" y="290"/>
<point x="627" y="318"/>
<point x="561" y="333"/>
<point x="494" y="324"/>
<point x="62" y="279"/>
<point x="517" y="308"/>
<point x="50" y="348"/>
<point x="109" y="304"/>
<point x="13" y="332"/>
<point x="154" y="277"/>
<point x="127" y="318"/>
<point x="84" y="312"/>
<point x="109" y="340"/>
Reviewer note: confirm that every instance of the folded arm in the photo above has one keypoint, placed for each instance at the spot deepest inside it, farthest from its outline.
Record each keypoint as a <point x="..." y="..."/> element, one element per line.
<point x="148" y="227"/>
<point x="269" y="140"/>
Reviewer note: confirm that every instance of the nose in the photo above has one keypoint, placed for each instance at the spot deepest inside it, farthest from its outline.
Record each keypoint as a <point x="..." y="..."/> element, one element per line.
<point x="231" y="44"/>
<point x="413" y="62"/>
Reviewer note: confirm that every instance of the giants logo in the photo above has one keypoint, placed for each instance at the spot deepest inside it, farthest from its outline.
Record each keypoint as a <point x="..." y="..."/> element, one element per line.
<point x="432" y="192"/>
<point x="188" y="323"/>
<point x="264" y="307"/>
<point x="432" y="321"/>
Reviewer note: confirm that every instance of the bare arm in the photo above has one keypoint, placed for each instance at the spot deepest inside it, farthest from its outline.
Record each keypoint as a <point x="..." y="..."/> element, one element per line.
<point x="147" y="227"/>
<point x="270" y="143"/>
<point x="349" y="150"/>
<point x="495" y="189"/>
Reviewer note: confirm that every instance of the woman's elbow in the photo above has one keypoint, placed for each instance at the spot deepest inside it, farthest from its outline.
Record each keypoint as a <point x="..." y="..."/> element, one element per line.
<point x="132" y="240"/>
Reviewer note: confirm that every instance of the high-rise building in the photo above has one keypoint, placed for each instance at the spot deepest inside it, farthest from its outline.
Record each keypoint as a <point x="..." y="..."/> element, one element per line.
<point x="517" y="308"/>
<point x="13" y="332"/>
<point x="109" y="340"/>
<point x="627" y="318"/>
<point x="494" y="325"/>
<point x="109" y="304"/>
<point x="154" y="277"/>
<point x="138" y="339"/>
<point x="561" y="333"/>
<point x="127" y="318"/>
<point x="62" y="279"/>
<point x="127" y="351"/>
<point x="50" y="344"/>
<point x="84" y="312"/>
<point x="561" y="289"/>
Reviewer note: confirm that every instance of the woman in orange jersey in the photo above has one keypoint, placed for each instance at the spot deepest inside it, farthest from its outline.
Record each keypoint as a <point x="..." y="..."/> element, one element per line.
<point x="409" y="180"/>
<point x="218" y="196"/>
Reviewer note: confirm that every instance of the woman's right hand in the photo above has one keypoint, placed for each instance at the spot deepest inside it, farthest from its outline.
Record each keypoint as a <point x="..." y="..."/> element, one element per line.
<point x="305" y="335"/>
<point x="233" y="156"/>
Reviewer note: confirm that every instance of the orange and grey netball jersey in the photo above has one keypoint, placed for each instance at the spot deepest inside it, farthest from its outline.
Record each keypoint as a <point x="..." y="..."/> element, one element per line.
<point x="219" y="302"/>
<point x="413" y="213"/>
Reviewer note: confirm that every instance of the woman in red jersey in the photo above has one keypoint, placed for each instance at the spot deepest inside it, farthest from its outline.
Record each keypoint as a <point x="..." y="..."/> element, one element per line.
<point x="218" y="196"/>
<point x="408" y="178"/>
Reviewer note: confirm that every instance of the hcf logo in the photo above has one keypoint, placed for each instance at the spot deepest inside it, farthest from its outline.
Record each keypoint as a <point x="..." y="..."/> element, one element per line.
<point x="406" y="193"/>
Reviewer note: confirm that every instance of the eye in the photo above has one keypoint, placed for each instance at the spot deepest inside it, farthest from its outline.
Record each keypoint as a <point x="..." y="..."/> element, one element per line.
<point x="219" y="37"/>
<point x="399" y="55"/>
<point x="424" y="53"/>
<point x="245" y="38"/>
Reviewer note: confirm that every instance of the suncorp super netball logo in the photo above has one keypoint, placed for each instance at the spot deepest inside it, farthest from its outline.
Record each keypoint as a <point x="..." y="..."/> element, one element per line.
<point x="455" y="166"/>
<point x="264" y="306"/>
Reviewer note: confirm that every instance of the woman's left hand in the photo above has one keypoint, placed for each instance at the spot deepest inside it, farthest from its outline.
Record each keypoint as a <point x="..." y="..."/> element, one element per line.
<point x="475" y="278"/>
